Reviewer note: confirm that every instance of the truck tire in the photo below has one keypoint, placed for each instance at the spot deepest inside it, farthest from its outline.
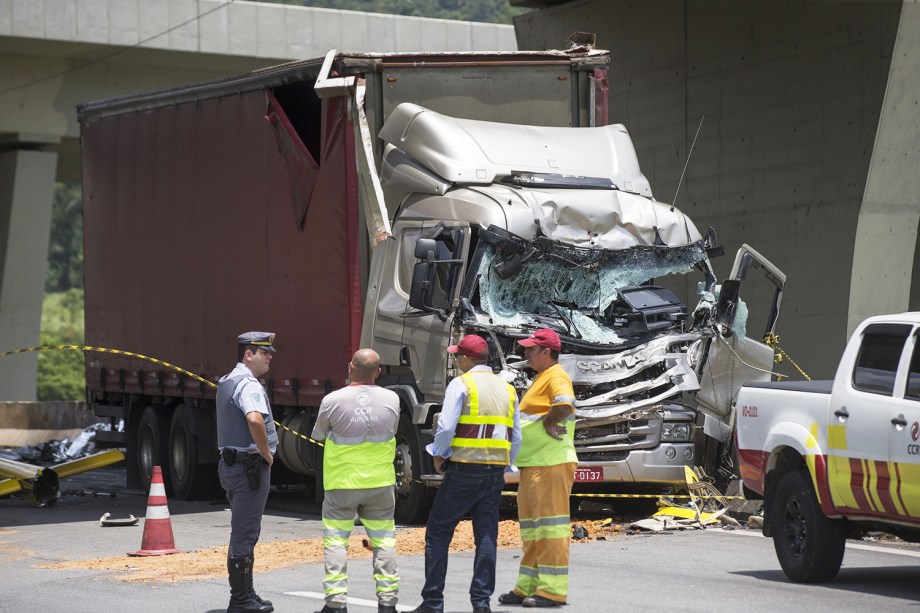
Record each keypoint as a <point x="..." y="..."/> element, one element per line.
<point x="150" y="446"/>
<point x="809" y="545"/>
<point x="193" y="477"/>
<point x="413" y="498"/>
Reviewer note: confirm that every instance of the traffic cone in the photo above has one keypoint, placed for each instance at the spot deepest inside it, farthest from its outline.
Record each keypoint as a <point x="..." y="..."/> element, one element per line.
<point x="158" y="534"/>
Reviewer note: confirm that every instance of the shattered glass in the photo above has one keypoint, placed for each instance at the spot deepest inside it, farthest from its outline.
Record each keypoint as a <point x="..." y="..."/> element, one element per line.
<point x="589" y="278"/>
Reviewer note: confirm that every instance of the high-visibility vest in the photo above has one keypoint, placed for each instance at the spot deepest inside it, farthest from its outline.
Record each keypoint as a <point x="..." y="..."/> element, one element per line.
<point x="551" y="387"/>
<point x="359" y="462"/>
<point x="483" y="433"/>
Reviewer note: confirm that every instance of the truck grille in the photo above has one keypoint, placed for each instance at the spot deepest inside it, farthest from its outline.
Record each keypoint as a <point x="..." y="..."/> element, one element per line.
<point x="642" y="433"/>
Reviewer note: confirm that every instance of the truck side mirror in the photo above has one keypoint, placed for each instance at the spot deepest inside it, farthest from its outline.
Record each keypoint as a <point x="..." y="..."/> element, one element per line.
<point x="728" y="302"/>
<point x="422" y="282"/>
<point x="425" y="249"/>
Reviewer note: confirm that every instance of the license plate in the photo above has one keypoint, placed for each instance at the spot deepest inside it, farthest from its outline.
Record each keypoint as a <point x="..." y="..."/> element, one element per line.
<point x="589" y="474"/>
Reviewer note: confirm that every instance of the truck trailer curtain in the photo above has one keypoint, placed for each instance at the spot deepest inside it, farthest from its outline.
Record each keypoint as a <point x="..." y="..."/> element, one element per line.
<point x="300" y="168"/>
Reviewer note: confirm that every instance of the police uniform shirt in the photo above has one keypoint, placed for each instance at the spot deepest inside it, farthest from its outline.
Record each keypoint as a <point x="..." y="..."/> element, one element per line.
<point x="250" y="396"/>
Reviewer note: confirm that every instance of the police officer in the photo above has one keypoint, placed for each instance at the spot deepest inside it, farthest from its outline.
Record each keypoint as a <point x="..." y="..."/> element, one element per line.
<point x="359" y="425"/>
<point x="477" y="440"/>
<point x="247" y="439"/>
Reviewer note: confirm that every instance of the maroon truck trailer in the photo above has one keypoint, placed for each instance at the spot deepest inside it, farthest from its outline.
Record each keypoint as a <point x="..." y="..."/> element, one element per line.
<point x="237" y="205"/>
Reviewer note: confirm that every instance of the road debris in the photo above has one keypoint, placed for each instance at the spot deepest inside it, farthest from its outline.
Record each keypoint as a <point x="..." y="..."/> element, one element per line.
<point x="105" y="522"/>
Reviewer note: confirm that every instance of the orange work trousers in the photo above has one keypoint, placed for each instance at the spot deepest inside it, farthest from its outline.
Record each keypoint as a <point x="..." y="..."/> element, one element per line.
<point x="543" y="512"/>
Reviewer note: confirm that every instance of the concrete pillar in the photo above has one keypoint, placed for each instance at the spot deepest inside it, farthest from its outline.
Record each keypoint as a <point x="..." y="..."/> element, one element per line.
<point x="886" y="235"/>
<point x="26" y="193"/>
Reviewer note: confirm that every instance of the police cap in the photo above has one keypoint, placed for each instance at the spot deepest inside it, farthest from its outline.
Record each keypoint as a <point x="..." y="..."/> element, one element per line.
<point x="262" y="340"/>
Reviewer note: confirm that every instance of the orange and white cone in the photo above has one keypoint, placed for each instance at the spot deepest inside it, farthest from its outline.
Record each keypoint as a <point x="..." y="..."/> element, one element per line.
<point x="158" y="534"/>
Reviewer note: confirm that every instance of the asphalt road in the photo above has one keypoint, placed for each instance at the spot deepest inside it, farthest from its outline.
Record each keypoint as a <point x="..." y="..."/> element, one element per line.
<point x="704" y="570"/>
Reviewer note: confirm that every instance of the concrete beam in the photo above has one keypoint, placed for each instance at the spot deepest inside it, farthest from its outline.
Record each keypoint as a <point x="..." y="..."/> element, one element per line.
<point x="241" y="29"/>
<point x="26" y="192"/>
<point x="884" y="255"/>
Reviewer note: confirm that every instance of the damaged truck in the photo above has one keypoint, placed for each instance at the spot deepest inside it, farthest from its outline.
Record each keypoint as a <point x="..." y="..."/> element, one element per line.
<point x="495" y="201"/>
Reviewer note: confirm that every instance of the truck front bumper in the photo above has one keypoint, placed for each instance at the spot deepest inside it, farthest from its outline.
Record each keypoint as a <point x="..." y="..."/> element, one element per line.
<point x="661" y="466"/>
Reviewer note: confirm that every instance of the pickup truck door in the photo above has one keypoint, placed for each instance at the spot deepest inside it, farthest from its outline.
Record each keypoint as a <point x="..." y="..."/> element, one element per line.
<point x="863" y="403"/>
<point x="904" y="438"/>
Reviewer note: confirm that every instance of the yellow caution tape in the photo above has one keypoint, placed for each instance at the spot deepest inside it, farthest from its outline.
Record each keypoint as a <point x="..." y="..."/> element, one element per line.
<point x="131" y="354"/>
<point x="772" y="341"/>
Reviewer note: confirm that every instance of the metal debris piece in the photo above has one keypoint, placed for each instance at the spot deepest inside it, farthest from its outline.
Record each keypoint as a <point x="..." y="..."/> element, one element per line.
<point x="104" y="521"/>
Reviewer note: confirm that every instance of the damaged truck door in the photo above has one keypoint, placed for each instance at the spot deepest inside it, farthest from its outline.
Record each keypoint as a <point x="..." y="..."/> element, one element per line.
<point x="587" y="251"/>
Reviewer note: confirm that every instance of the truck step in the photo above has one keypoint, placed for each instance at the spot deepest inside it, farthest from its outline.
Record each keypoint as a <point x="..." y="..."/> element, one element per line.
<point x="110" y="438"/>
<point x="109" y="410"/>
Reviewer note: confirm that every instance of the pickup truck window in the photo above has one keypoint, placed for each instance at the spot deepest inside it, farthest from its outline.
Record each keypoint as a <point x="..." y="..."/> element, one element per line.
<point x="913" y="377"/>
<point x="879" y="354"/>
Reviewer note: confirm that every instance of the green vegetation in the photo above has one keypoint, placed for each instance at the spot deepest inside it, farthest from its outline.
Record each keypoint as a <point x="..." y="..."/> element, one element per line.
<point x="65" y="251"/>
<point x="488" y="11"/>
<point x="60" y="372"/>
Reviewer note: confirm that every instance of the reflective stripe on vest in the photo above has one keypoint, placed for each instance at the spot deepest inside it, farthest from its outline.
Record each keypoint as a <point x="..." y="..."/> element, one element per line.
<point x="483" y="433"/>
<point x="359" y="462"/>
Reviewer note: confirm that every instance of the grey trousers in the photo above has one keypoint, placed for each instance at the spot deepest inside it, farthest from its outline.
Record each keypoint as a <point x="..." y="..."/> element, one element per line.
<point x="246" y="507"/>
<point x="375" y="508"/>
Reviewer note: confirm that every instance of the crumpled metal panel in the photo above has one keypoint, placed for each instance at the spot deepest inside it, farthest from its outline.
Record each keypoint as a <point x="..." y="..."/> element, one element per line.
<point x="610" y="219"/>
<point x="470" y="151"/>
<point x="594" y="369"/>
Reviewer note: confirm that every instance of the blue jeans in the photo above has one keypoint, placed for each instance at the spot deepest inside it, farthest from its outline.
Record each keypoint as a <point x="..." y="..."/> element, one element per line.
<point x="473" y="489"/>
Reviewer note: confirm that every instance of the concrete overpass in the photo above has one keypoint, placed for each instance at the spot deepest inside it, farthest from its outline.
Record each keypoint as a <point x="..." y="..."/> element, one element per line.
<point x="55" y="54"/>
<point x="810" y="148"/>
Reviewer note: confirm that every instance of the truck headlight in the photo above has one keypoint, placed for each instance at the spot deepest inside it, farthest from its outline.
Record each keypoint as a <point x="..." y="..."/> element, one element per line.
<point x="675" y="431"/>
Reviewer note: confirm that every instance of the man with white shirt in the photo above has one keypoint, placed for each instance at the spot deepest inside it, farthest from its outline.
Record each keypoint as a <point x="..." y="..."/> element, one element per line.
<point x="476" y="441"/>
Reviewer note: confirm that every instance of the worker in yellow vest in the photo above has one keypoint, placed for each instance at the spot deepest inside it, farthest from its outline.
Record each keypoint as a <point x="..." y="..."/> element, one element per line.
<point x="476" y="441"/>
<point x="547" y="462"/>
<point x="359" y="424"/>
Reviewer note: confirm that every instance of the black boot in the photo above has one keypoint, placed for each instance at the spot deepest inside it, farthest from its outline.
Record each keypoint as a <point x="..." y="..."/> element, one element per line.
<point x="241" y="601"/>
<point x="265" y="605"/>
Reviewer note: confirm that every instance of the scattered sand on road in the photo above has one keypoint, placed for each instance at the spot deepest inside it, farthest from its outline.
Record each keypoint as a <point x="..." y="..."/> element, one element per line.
<point x="212" y="562"/>
<point x="9" y="553"/>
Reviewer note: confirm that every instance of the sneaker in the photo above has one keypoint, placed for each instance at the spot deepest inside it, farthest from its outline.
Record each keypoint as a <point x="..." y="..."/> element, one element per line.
<point x="424" y="609"/>
<point x="510" y="598"/>
<point x="386" y="608"/>
<point x="328" y="609"/>
<point x="540" y="601"/>
<point x="482" y="610"/>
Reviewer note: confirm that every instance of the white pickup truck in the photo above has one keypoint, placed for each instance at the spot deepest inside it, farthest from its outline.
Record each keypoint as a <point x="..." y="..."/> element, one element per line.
<point x="833" y="459"/>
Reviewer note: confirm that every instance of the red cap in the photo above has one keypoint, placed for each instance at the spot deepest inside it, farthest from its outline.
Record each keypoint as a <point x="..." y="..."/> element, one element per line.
<point x="470" y="345"/>
<point x="543" y="337"/>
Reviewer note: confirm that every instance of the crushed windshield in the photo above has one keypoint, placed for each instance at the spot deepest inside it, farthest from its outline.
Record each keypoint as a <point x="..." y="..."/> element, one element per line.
<point x="574" y="287"/>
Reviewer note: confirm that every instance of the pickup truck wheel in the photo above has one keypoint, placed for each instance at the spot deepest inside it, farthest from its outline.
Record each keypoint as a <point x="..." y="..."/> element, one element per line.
<point x="809" y="545"/>
<point x="193" y="478"/>
<point x="150" y="445"/>
<point x="413" y="498"/>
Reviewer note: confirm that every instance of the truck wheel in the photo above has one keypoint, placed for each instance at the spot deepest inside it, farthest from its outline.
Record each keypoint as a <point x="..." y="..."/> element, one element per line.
<point x="413" y="499"/>
<point x="192" y="476"/>
<point x="150" y="445"/>
<point x="809" y="545"/>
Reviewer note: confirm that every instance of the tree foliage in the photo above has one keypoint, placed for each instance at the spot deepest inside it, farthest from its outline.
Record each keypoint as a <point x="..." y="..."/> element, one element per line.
<point x="489" y="11"/>
<point x="61" y="372"/>
<point x="65" y="249"/>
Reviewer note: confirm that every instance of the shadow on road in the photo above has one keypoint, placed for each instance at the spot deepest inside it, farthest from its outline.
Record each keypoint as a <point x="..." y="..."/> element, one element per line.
<point x="888" y="581"/>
